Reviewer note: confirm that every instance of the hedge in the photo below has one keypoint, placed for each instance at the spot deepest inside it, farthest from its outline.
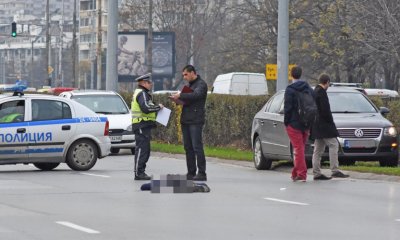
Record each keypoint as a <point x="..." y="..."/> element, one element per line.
<point x="229" y="118"/>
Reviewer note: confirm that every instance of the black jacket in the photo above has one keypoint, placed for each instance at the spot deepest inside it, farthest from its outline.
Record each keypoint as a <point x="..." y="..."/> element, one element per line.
<point x="291" y="116"/>
<point x="324" y="127"/>
<point x="193" y="111"/>
<point x="146" y="104"/>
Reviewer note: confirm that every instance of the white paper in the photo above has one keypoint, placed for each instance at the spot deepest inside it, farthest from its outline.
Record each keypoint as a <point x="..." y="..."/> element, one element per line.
<point x="163" y="116"/>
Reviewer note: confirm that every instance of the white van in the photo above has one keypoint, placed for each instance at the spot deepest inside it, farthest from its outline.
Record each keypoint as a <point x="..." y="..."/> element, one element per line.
<point x="240" y="83"/>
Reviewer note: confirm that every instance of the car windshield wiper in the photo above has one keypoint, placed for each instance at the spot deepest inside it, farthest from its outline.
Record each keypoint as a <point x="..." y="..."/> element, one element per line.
<point x="105" y="112"/>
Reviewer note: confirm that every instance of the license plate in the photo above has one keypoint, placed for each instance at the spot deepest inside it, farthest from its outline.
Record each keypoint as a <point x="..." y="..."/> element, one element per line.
<point x="359" y="144"/>
<point x="116" y="138"/>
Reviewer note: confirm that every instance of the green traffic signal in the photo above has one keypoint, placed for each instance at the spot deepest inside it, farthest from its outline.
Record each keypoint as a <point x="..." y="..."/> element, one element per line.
<point x="13" y="29"/>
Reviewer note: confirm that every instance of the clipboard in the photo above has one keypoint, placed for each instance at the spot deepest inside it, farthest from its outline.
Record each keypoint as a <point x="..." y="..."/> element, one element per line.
<point x="185" y="89"/>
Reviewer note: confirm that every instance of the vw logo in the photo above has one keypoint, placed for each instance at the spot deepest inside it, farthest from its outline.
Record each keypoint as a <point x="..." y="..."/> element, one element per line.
<point x="358" y="133"/>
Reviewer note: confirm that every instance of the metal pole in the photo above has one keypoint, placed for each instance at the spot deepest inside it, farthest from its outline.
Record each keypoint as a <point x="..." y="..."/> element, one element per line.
<point x="92" y="44"/>
<point x="112" y="45"/>
<point x="283" y="44"/>
<point x="60" y="72"/>
<point x="32" y="62"/>
<point x="99" y="43"/>
<point x="150" y="39"/>
<point x="74" y="80"/>
<point x="48" y="80"/>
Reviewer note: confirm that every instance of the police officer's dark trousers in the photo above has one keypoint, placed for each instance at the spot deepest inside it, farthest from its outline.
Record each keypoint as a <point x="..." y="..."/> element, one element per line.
<point x="193" y="144"/>
<point x="142" y="151"/>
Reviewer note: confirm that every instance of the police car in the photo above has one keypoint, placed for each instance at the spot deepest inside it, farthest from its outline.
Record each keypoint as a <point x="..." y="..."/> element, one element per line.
<point x="48" y="130"/>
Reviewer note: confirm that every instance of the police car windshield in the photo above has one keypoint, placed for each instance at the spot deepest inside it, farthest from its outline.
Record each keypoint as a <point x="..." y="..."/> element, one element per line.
<point x="103" y="104"/>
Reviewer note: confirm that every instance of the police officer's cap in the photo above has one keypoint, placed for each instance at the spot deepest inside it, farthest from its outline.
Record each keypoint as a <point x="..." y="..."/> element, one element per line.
<point x="146" y="77"/>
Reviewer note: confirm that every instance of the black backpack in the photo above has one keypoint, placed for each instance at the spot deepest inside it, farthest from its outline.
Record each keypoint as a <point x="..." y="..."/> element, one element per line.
<point x="306" y="108"/>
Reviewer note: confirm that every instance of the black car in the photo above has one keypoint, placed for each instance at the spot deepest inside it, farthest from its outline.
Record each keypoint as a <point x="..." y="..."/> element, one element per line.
<point x="364" y="133"/>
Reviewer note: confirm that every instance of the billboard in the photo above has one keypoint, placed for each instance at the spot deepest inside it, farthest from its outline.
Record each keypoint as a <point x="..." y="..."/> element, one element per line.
<point x="132" y="60"/>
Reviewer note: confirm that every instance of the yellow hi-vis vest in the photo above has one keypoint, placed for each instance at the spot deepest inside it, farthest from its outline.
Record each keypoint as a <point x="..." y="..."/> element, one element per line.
<point x="137" y="114"/>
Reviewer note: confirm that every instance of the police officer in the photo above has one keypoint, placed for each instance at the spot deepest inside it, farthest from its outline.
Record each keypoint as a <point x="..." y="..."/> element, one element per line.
<point x="144" y="113"/>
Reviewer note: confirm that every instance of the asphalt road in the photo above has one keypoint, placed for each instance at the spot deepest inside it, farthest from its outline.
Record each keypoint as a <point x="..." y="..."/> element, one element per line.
<point x="106" y="203"/>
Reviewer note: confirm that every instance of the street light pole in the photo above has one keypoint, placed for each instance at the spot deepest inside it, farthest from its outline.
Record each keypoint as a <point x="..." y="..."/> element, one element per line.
<point x="283" y="44"/>
<point x="112" y="45"/>
<point x="48" y="80"/>
<point x="150" y="39"/>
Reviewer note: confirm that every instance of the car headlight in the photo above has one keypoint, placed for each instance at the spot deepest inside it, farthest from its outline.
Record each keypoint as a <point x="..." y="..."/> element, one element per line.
<point x="390" y="131"/>
<point x="129" y="128"/>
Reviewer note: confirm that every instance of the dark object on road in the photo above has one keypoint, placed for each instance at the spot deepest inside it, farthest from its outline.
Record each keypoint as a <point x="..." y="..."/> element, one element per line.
<point x="174" y="184"/>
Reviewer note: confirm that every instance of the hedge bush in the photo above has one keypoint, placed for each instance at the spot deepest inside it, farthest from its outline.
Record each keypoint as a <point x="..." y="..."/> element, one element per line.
<point x="229" y="118"/>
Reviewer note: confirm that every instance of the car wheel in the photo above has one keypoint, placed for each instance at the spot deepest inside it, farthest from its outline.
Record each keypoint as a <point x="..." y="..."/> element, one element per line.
<point x="391" y="162"/>
<point x="46" y="166"/>
<point x="82" y="155"/>
<point x="114" y="150"/>
<point x="133" y="150"/>
<point x="260" y="162"/>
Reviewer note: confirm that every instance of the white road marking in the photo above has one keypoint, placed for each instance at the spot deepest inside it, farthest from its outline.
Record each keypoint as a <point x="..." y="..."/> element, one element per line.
<point x="285" y="201"/>
<point x="77" y="227"/>
<point x="397" y="220"/>
<point x="95" y="175"/>
<point x="282" y="189"/>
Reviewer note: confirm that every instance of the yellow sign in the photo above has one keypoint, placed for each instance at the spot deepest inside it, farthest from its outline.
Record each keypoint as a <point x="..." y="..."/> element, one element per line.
<point x="271" y="72"/>
<point x="50" y="70"/>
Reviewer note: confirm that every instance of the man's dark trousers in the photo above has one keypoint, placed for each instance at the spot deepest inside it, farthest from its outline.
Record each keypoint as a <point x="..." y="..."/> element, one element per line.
<point x="193" y="144"/>
<point x="142" y="150"/>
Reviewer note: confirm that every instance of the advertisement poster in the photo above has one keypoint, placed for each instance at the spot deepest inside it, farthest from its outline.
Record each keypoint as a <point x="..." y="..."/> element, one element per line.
<point x="132" y="60"/>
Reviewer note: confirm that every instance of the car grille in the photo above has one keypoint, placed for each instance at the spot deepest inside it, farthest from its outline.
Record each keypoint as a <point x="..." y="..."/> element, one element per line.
<point x="368" y="133"/>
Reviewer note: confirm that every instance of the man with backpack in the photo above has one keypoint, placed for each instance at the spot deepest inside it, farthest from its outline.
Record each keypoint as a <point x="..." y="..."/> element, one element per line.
<point x="299" y="114"/>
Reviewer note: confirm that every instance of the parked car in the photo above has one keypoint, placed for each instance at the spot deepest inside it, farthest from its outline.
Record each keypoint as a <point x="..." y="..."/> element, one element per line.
<point x="48" y="130"/>
<point x="364" y="133"/>
<point x="240" y="83"/>
<point x="114" y="107"/>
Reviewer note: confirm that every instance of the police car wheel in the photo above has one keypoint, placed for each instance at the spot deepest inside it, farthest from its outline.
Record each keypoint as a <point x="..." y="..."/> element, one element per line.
<point x="114" y="150"/>
<point x="46" y="166"/>
<point x="82" y="155"/>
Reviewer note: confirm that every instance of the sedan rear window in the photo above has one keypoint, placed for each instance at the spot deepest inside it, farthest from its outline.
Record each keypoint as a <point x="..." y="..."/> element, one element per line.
<point x="104" y="104"/>
<point x="348" y="102"/>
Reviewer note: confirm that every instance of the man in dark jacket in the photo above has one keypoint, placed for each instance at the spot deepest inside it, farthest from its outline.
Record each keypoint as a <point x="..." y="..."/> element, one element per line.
<point x="144" y="113"/>
<point x="192" y="122"/>
<point x="298" y="133"/>
<point x="325" y="133"/>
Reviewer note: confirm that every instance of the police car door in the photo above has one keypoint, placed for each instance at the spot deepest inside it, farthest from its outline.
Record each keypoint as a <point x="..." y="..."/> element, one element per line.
<point x="51" y="128"/>
<point x="13" y="127"/>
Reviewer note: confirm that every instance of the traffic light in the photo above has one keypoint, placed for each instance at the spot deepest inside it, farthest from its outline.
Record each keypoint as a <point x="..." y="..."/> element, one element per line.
<point x="13" y="29"/>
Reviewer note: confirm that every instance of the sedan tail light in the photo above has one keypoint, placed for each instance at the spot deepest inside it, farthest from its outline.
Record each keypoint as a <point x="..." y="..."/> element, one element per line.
<point x="107" y="128"/>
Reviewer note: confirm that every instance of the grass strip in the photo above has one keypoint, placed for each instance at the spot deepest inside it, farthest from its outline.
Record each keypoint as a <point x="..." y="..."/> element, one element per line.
<point x="246" y="155"/>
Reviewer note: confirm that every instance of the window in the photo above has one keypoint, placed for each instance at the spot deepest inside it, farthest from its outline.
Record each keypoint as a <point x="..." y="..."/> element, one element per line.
<point x="13" y="111"/>
<point x="50" y="110"/>
<point x="276" y="104"/>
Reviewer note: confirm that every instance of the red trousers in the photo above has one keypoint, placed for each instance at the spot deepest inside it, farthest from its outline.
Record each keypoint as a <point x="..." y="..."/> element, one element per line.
<point x="298" y="139"/>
